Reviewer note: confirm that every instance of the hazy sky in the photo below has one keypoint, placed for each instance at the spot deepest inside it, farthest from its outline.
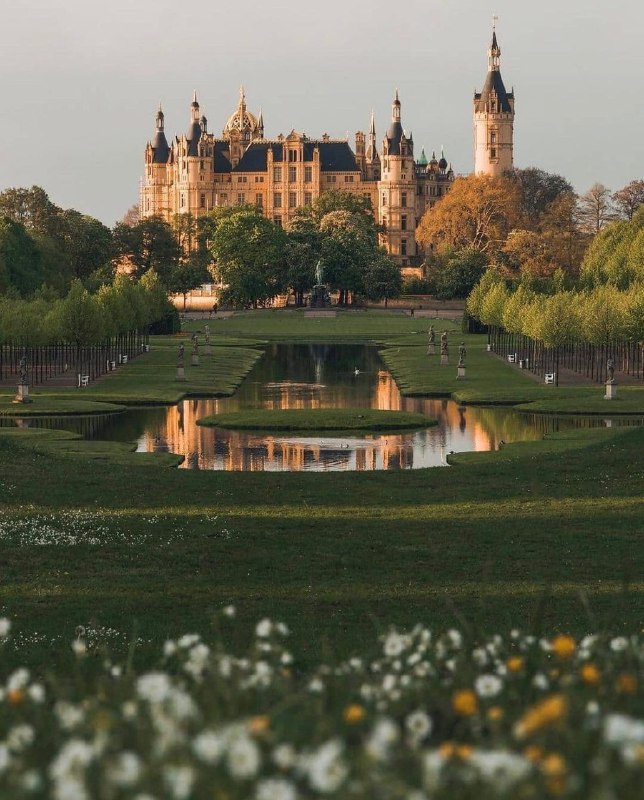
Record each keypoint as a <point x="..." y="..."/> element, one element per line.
<point x="80" y="81"/>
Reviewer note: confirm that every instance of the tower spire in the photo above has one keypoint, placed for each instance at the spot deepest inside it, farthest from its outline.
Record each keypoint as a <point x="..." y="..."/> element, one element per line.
<point x="395" y="109"/>
<point x="494" y="53"/>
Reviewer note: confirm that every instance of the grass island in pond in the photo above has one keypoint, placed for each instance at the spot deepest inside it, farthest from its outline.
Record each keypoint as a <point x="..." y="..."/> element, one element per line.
<point x="318" y="419"/>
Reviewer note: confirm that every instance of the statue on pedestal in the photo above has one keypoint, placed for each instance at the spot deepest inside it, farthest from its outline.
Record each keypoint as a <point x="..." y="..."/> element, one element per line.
<point x="444" y="348"/>
<point x="461" y="354"/>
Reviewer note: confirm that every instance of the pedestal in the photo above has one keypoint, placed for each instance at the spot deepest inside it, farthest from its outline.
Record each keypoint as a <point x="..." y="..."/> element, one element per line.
<point x="181" y="374"/>
<point x="320" y="296"/>
<point x="489" y="348"/>
<point x="444" y="361"/>
<point x="431" y="349"/>
<point x="23" y="394"/>
<point x="611" y="391"/>
<point x="194" y="361"/>
<point x="461" y="373"/>
<point x="207" y="349"/>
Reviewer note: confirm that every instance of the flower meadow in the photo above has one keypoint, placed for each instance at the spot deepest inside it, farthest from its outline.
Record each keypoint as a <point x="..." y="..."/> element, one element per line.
<point x="427" y="714"/>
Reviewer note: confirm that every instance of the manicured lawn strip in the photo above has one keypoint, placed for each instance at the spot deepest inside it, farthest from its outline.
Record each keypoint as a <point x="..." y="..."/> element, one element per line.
<point x="544" y="535"/>
<point x="590" y="400"/>
<point x="45" y="405"/>
<point x="64" y="443"/>
<point x="347" y="326"/>
<point x="319" y="419"/>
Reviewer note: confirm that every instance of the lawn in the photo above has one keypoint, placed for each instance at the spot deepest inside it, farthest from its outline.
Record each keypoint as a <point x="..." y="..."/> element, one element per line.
<point x="543" y="535"/>
<point x="318" y="419"/>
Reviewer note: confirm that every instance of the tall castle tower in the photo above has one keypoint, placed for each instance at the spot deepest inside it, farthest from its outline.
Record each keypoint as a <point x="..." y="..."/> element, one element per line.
<point x="493" y="120"/>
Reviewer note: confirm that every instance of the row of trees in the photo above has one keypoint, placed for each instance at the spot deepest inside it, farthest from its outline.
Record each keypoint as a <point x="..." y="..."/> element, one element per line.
<point x="81" y="317"/>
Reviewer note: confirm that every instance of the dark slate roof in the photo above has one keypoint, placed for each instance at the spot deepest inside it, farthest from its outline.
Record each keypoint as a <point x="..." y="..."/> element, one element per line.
<point x="222" y="161"/>
<point x="395" y="134"/>
<point x="334" y="156"/>
<point x="494" y="82"/>
<point x="161" y="148"/>
<point x="193" y="135"/>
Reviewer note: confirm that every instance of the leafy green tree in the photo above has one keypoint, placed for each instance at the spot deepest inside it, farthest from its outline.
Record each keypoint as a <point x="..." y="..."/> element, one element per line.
<point x="187" y="276"/>
<point x="86" y="242"/>
<point x="31" y="208"/>
<point x="301" y="259"/>
<point x="475" y="300"/>
<point x="20" y="259"/>
<point x="150" y="244"/>
<point x="382" y="279"/>
<point x="249" y="251"/>
<point x="603" y="315"/>
<point x="455" y="273"/>
<point x="79" y="318"/>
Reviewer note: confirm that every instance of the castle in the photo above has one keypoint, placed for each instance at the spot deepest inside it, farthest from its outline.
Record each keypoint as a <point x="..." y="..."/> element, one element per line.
<point x="200" y="171"/>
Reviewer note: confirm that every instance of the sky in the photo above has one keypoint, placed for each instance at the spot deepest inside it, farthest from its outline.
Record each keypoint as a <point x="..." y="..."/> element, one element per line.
<point x="80" y="81"/>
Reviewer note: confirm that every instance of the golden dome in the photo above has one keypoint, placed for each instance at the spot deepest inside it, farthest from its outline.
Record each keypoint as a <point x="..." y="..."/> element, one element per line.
<point x="242" y="120"/>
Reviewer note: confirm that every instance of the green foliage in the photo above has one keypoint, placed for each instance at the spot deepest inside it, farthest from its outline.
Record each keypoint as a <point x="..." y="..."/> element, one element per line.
<point x="79" y="318"/>
<point x="416" y="286"/>
<point x="20" y="261"/>
<point x="538" y="190"/>
<point x="454" y="274"/>
<point x="382" y="279"/>
<point x="150" y="244"/>
<point x="616" y="254"/>
<point x="318" y="419"/>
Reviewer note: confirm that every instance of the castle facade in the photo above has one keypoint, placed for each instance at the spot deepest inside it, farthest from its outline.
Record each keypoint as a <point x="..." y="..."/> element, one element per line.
<point x="200" y="171"/>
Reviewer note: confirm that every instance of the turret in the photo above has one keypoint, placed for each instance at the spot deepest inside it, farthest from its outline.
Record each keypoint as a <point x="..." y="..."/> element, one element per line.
<point x="493" y="120"/>
<point x="160" y="147"/>
<point x="193" y="134"/>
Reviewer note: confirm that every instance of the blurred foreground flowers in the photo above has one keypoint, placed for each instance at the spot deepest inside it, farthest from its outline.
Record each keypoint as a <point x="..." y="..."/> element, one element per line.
<point x="425" y="715"/>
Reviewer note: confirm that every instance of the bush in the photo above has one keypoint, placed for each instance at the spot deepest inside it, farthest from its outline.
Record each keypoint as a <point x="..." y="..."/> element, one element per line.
<point x="416" y="286"/>
<point x="170" y="323"/>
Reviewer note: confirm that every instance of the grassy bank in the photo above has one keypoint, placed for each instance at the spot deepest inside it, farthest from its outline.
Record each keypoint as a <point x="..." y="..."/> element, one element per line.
<point x="44" y="404"/>
<point x="319" y="419"/>
<point x="543" y="535"/>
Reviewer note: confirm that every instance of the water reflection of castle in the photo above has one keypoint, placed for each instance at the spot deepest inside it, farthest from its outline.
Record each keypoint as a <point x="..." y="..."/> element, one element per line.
<point x="208" y="448"/>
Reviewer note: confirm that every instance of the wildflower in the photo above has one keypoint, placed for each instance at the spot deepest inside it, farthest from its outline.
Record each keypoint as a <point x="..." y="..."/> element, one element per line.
<point x="618" y="644"/>
<point x="563" y="646"/>
<point x="169" y="648"/>
<point x="179" y="780"/>
<point x="465" y="703"/>
<point x="79" y="648"/>
<point x="495" y="713"/>
<point x="555" y="769"/>
<point x="36" y="692"/>
<point x="153" y="687"/>
<point x="15" y="696"/>
<point x="488" y="686"/>
<point x="385" y="733"/>
<point x="208" y="746"/>
<point x="394" y="644"/>
<point x="68" y="715"/>
<point x="5" y="627"/>
<point x="419" y="725"/>
<point x="541" y="715"/>
<point x="18" y="679"/>
<point x="353" y="714"/>
<point x="125" y="770"/>
<point x="5" y="757"/>
<point x="284" y="756"/>
<point x="590" y="674"/>
<point x="258" y="724"/>
<point x="455" y="638"/>
<point x="229" y="611"/>
<point x="264" y="628"/>
<point x="243" y="758"/>
<point x="501" y="769"/>
<point x="275" y="789"/>
<point x="326" y="769"/>
<point x="626" y="683"/>
<point x="315" y="686"/>
<point x="541" y="682"/>
<point x="514" y="664"/>
<point x="620" y="729"/>
<point x="20" y="737"/>
<point x="533" y="753"/>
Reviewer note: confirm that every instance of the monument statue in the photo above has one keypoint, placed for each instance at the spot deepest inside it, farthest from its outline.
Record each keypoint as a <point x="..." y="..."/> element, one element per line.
<point x="207" y="334"/>
<point x="444" y="349"/>
<point x="610" y="368"/>
<point x="432" y="335"/>
<point x="461" y="354"/>
<point x="180" y="358"/>
<point x="319" y="273"/>
<point x="23" y="370"/>
<point x="195" y="344"/>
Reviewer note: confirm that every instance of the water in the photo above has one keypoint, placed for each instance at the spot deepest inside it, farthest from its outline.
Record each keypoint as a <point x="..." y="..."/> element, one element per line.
<point x="317" y="376"/>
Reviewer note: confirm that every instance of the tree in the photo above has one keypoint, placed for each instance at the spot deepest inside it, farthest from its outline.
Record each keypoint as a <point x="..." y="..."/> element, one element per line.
<point x="477" y="213"/>
<point x="301" y="259"/>
<point x="563" y="240"/>
<point x="184" y="227"/>
<point x="187" y="276"/>
<point x="538" y="190"/>
<point x="455" y="273"/>
<point x="132" y="216"/>
<point x="349" y="246"/>
<point x="382" y="279"/>
<point x="628" y="199"/>
<point x="150" y="244"/>
<point x="86" y="242"/>
<point x="31" y="208"/>
<point x="249" y="251"/>
<point x="337" y="200"/>
<point x="20" y="259"/>
<point x="79" y="317"/>
<point x="595" y="209"/>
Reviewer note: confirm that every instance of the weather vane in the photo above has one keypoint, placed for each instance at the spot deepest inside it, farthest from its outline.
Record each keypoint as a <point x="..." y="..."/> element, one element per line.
<point x="495" y="19"/>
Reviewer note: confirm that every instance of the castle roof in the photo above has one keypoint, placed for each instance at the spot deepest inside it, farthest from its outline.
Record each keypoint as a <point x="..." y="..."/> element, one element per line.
<point x="494" y="85"/>
<point x="161" y="148"/>
<point x="222" y="160"/>
<point x="334" y="156"/>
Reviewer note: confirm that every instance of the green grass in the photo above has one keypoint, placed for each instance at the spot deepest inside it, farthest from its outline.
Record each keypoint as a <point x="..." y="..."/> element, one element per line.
<point x="544" y="535"/>
<point x="319" y="419"/>
<point x="47" y="405"/>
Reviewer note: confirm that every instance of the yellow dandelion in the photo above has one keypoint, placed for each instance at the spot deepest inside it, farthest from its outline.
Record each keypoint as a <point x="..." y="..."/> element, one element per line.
<point x="555" y="770"/>
<point x="495" y="713"/>
<point x="259" y="724"/>
<point x="465" y="703"/>
<point x="547" y="712"/>
<point x="590" y="675"/>
<point x="514" y="664"/>
<point x="563" y="646"/>
<point x="353" y="714"/>
<point x="626" y="683"/>
<point x="533" y="753"/>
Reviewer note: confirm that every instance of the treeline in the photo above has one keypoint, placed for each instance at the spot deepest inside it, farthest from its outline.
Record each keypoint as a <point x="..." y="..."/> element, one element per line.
<point x="527" y="224"/>
<point x="83" y="318"/>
